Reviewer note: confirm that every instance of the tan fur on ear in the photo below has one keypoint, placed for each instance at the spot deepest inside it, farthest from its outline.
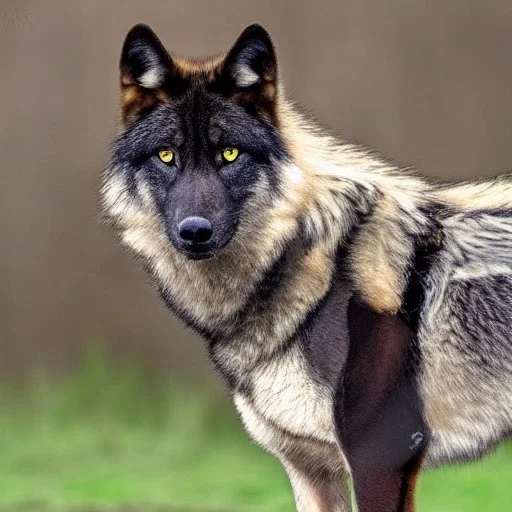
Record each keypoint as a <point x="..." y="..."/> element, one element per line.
<point x="135" y="99"/>
<point x="264" y="100"/>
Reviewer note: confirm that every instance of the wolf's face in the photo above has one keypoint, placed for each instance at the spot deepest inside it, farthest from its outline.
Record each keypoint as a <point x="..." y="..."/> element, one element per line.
<point x="200" y="147"/>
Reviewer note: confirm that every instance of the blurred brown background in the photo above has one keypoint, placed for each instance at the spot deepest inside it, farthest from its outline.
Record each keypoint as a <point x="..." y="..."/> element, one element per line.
<point x="427" y="83"/>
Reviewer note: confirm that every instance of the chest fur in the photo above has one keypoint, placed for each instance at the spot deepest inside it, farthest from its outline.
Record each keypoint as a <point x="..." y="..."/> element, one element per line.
<point x="286" y="394"/>
<point x="294" y="391"/>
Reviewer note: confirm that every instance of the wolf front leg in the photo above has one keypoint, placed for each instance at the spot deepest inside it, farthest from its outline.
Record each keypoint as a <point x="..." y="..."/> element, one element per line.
<point x="375" y="491"/>
<point x="379" y="413"/>
<point x="326" y="492"/>
<point x="385" y="453"/>
<point x="389" y="490"/>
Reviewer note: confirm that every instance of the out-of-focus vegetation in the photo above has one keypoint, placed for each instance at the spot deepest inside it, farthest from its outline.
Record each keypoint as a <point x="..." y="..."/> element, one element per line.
<point x="112" y="438"/>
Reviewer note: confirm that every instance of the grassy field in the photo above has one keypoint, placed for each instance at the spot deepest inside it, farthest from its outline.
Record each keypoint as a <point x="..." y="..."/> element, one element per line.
<point x="115" y="439"/>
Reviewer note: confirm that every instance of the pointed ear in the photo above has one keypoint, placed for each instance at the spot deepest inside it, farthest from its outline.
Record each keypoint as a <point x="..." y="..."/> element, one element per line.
<point x="148" y="74"/>
<point x="144" y="60"/>
<point x="249" y="72"/>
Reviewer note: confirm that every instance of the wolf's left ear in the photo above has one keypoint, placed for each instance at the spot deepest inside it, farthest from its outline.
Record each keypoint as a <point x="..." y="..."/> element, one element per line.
<point x="250" y="72"/>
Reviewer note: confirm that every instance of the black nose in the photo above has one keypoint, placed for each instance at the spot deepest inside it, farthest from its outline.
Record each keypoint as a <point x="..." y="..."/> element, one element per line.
<point x="195" y="229"/>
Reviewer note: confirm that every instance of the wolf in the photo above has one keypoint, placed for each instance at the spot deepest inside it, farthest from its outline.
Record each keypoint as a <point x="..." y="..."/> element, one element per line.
<point x="359" y="313"/>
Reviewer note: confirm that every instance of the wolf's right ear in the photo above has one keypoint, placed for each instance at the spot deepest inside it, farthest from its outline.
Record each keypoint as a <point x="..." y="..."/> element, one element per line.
<point x="148" y="74"/>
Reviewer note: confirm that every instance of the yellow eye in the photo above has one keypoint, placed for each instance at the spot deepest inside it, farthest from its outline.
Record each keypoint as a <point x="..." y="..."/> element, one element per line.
<point x="230" y="154"/>
<point x="166" y="155"/>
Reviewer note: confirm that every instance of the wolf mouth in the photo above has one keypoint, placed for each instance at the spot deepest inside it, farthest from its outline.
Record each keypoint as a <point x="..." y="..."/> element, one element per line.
<point x="199" y="251"/>
<point x="198" y="256"/>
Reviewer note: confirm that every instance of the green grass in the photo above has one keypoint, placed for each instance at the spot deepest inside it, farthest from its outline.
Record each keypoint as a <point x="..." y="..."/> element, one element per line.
<point x="115" y="438"/>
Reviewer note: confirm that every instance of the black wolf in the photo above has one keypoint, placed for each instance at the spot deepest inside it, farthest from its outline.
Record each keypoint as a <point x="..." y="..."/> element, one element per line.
<point x="359" y="314"/>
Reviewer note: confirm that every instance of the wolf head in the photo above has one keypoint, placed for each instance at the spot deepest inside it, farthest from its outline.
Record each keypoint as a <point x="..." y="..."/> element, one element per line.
<point x="200" y="144"/>
<point x="214" y="175"/>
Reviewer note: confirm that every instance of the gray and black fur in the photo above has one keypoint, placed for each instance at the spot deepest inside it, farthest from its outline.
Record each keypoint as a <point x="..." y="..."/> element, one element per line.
<point x="359" y="314"/>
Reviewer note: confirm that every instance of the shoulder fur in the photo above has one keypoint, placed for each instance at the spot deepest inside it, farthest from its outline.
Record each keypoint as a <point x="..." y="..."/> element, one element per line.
<point x="345" y="185"/>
